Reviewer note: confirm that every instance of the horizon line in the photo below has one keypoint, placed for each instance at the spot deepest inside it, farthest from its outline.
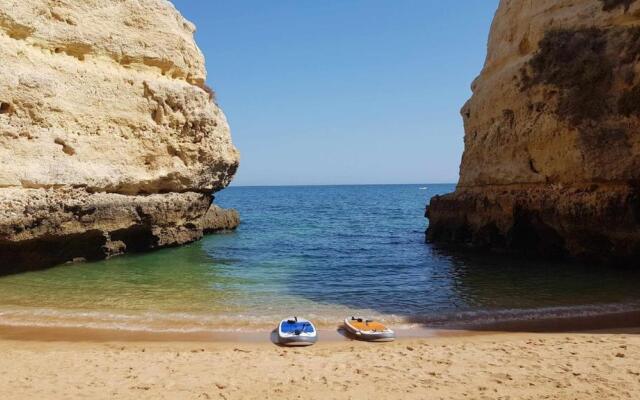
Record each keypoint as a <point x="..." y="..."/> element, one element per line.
<point x="344" y="184"/>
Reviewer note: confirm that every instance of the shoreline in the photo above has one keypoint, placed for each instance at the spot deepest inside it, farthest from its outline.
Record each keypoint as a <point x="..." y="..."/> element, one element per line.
<point x="91" y="335"/>
<point x="590" y="358"/>
<point x="627" y="321"/>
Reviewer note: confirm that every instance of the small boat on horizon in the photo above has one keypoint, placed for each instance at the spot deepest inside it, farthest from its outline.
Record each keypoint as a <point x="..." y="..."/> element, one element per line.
<point x="424" y="188"/>
<point x="368" y="330"/>
<point x="296" y="331"/>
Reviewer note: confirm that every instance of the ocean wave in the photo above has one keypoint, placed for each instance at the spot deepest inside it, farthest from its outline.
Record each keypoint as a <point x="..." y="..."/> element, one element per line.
<point x="177" y="322"/>
<point x="478" y="318"/>
<point x="162" y="322"/>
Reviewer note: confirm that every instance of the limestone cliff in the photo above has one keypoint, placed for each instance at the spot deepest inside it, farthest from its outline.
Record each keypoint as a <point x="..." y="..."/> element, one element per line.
<point x="109" y="139"/>
<point x="552" y="135"/>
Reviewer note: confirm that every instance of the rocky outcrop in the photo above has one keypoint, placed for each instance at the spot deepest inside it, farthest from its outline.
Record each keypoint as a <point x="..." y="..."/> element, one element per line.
<point x="109" y="139"/>
<point x="552" y="135"/>
<point x="219" y="219"/>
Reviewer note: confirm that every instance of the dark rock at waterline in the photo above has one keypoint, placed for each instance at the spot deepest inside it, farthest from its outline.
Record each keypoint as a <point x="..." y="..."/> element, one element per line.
<point x="219" y="219"/>
<point x="593" y="224"/>
<point x="41" y="228"/>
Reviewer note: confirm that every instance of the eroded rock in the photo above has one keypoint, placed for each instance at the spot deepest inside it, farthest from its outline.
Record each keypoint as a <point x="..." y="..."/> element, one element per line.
<point x="219" y="219"/>
<point x="552" y="135"/>
<point x="110" y="141"/>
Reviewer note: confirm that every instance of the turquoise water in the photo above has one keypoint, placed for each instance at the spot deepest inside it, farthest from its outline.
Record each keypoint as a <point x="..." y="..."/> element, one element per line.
<point x="319" y="252"/>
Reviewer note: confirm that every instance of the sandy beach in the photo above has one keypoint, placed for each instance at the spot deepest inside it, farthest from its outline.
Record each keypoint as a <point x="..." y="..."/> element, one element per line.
<point x="479" y="366"/>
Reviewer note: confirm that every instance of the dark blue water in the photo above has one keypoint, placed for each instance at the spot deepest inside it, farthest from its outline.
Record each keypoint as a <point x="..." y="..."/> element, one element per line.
<point x="320" y="252"/>
<point x="364" y="247"/>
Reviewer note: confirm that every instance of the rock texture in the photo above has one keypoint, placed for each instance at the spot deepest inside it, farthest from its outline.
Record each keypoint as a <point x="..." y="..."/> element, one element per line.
<point x="219" y="219"/>
<point x="552" y="135"/>
<point x="109" y="139"/>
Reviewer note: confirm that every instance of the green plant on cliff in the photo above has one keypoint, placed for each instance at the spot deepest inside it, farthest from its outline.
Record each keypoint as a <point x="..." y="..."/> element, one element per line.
<point x="210" y="92"/>
<point x="575" y="62"/>
<point x="585" y="65"/>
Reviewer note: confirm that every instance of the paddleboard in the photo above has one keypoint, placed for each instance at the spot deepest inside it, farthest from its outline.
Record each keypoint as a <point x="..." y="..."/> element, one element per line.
<point x="369" y="330"/>
<point x="296" y="331"/>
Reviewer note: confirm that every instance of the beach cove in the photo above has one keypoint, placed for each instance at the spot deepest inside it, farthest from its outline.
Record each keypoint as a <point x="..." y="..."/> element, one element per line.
<point x="143" y="257"/>
<point x="194" y="322"/>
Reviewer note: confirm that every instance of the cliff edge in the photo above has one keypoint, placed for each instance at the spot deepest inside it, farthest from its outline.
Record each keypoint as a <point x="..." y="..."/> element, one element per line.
<point x="110" y="141"/>
<point x="551" y="165"/>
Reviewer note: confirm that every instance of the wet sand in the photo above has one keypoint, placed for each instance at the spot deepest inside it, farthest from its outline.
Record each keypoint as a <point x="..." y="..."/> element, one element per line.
<point x="57" y="334"/>
<point x="592" y="365"/>
<point x="611" y="322"/>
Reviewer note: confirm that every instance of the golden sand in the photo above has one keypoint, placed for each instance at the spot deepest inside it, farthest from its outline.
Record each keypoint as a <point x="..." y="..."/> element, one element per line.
<point x="487" y="366"/>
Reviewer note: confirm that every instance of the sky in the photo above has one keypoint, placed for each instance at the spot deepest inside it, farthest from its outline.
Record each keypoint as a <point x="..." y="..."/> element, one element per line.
<point x="343" y="91"/>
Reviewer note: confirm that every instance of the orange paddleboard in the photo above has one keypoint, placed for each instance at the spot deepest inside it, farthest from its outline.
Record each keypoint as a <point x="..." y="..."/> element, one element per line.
<point x="368" y="330"/>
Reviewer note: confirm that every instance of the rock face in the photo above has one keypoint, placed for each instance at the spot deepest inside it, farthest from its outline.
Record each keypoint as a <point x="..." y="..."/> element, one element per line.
<point x="552" y="135"/>
<point x="109" y="139"/>
<point x="219" y="219"/>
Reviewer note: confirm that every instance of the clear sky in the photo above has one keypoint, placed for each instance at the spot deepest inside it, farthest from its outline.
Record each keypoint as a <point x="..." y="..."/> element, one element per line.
<point x="343" y="91"/>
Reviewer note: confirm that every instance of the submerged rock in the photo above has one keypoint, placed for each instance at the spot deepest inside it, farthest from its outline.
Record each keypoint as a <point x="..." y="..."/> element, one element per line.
<point x="110" y="141"/>
<point x="552" y="136"/>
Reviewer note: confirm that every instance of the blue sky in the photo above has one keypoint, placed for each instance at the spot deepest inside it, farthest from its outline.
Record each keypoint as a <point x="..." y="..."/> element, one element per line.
<point x="343" y="91"/>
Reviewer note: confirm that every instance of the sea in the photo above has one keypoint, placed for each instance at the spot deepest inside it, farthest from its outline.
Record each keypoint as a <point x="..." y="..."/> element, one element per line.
<point x="320" y="252"/>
